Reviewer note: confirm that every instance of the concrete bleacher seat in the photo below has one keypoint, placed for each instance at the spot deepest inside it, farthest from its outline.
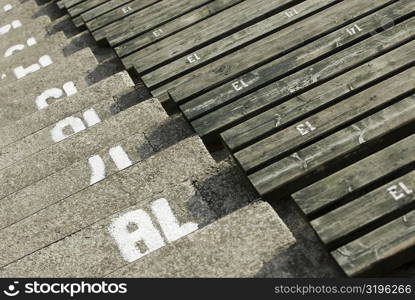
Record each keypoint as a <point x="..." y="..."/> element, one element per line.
<point x="232" y="138"/>
<point x="80" y="148"/>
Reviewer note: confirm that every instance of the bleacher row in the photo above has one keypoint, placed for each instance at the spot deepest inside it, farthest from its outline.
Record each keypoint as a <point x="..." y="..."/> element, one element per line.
<point x="100" y="177"/>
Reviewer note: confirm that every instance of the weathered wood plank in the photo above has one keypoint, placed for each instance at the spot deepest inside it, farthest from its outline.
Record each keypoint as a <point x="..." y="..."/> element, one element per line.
<point x="265" y="74"/>
<point x="315" y="126"/>
<point x="186" y="41"/>
<point x="102" y="9"/>
<point x="305" y="166"/>
<point x="383" y="249"/>
<point x="371" y="208"/>
<point x="117" y="15"/>
<point x="273" y="94"/>
<point x="145" y="19"/>
<point x="339" y="185"/>
<point x="238" y="39"/>
<point x="173" y="27"/>
<point x="265" y="124"/>
<point x="84" y="6"/>
<point x="78" y="22"/>
<point x="70" y="3"/>
<point x="271" y="47"/>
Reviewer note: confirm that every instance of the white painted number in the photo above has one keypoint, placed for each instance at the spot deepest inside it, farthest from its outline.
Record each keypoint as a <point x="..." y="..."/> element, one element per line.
<point x="126" y="9"/>
<point x="193" y="58"/>
<point x="30" y="42"/>
<point x="354" y="30"/>
<point x="97" y="165"/>
<point x="400" y="191"/>
<point x="305" y="128"/>
<point x="75" y="124"/>
<point x="136" y="227"/>
<point x="21" y="72"/>
<point x="6" y="28"/>
<point x="239" y="85"/>
<point x="158" y="32"/>
<point x="7" y="7"/>
<point x="291" y="13"/>
<point x="69" y="89"/>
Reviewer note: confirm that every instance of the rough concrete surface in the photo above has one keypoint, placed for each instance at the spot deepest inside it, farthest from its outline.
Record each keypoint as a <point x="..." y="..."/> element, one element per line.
<point x="19" y="97"/>
<point x="235" y="245"/>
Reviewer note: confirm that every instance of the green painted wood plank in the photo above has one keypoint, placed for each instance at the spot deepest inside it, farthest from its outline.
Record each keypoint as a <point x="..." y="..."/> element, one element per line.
<point x="299" y="169"/>
<point x="339" y="185"/>
<point x="384" y="249"/>
<point x="173" y="27"/>
<point x="273" y="94"/>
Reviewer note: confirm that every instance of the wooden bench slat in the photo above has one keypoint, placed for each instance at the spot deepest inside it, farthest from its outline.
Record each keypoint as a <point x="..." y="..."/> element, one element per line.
<point x="264" y="124"/>
<point x="102" y="9"/>
<point x="325" y="121"/>
<point x="145" y="19"/>
<point x="204" y="32"/>
<point x="99" y="26"/>
<point x="173" y="27"/>
<point x="84" y="6"/>
<point x="381" y="250"/>
<point x="233" y="41"/>
<point x="305" y="166"/>
<point x="339" y="185"/>
<point x="271" y="95"/>
<point x="389" y="199"/>
<point x="262" y="75"/>
<point x="271" y="47"/>
<point x="269" y="72"/>
<point x="70" y="3"/>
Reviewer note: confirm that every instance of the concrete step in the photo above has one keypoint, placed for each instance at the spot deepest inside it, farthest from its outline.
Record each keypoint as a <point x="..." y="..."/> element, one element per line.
<point x="19" y="98"/>
<point x="92" y="251"/>
<point x="138" y="119"/>
<point x="14" y="31"/>
<point x="34" y="60"/>
<point x="22" y="52"/>
<point x="182" y="162"/>
<point x="12" y="9"/>
<point x="237" y="245"/>
<point x="104" y="108"/>
<point x="52" y="110"/>
<point x="102" y="165"/>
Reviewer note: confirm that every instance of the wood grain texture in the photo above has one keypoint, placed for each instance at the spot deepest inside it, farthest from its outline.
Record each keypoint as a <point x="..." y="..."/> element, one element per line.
<point x="383" y="249"/>
<point x="204" y="32"/>
<point x="326" y="121"/>
<point x="331" y="189"/>
<point x="233" y="41"/>
<point x="267" y="49"/>
<point x="173" y="27"/>
<point x="276" y="93"/>
<point x="101" y="26"/>
<point x="299" y="168"/>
